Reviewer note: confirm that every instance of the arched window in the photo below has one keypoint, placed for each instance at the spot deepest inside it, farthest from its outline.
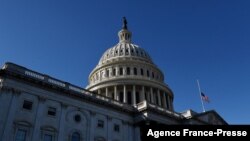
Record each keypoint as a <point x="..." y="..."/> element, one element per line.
<point x="75" y="137"/>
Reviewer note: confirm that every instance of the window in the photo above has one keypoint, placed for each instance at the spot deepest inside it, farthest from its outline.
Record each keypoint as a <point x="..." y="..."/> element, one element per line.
<point x="75" y="137"/>
<point x="116" y="128"/>
<point x="121" y="71"/>
<point x="51" y="111"/>
<point x="142" y="72"/>
<point x="129" y="97"/>
<point x="114" y="72"/>
<point x="112" y="95"/>
<point x="20" y="135"/>
<point x="128" y="71"/>
<point x="135" y="71"/>
<point x="153" y="74"/>
<point x="137" y="97"/>
<point x="100" y="123"/>
<point x="147" y="73"/>
<point x="107" y="73"/>
<point x="27" y="105"/>
<point x="77" y="118"/>
<point x="121" y="96"/>
<point x="47" y="137"/>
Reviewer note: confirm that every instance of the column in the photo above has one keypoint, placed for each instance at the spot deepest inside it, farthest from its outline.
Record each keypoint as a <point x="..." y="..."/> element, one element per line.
<point x="10" y="117"/>
<point x="137" y="134"/>
<point x="110" y="72"/>
<point x="124" y="94"/>
<point x="99" y="91"/>
<point x="117" y="69"/>
<point x="124" y="70"/>
<point x="115" y="93"/>
<point x="107" y="92"/>
<point x="159" y="97"/>
<point x="164" y="101"/>
<point x="142" y="94"/>
<point x="151" y="95"/>
<point x="170" y="103"/>
<point x="92" y="126"/>
<point x="61" y="134"/>
<point x="109" y="128"/>
<point x="167" y="101"/>
<point x="133" y="96"/>
<point x="39" y="114"/>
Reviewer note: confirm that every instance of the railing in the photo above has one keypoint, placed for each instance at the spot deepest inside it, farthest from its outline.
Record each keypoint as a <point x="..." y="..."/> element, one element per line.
<point x="16" y="69"/>
<point x="145" y="105"/>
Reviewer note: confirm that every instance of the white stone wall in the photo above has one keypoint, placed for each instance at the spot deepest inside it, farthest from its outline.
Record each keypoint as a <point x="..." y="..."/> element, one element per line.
<point x="37" y="122"/>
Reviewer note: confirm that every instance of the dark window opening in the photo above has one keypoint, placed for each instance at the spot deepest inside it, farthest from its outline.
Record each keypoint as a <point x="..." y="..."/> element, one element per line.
<point x="116" y="128"/>
<point x="147" y="73"/>
<point x="156" y="99"/>
<point x="77" y="118"/>
<point x="114" y="72"/>
<point x="137" y="97"/>
<point x="100" y="123"/>
<point x="121" y="96"/>
<point x="27" y="105"/>
<point x="141" y="71"/>
<point x="128" y="71"/>
<point x="153" y="75"/>
<point x="52" y="111"/>
<point x="129" y="98"/>
<point x="121" y="71"/>
<point x="135" y="71"/>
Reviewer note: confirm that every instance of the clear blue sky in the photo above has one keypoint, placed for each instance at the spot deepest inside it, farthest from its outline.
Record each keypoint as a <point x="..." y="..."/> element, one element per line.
<point x="188" y="40"/>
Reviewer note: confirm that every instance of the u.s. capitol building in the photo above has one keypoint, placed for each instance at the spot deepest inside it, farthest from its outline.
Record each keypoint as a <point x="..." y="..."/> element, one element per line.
<point x="126" y="92"/>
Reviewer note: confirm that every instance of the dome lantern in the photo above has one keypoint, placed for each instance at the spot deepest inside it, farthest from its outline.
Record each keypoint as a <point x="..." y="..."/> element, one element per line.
<point x="124" y="34"/>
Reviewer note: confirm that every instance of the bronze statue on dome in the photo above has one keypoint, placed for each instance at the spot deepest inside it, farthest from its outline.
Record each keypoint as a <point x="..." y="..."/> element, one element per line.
<point x="124" y="23"/>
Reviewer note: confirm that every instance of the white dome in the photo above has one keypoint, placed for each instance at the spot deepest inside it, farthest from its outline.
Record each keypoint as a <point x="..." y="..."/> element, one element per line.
<point x="124" y="50"/>
<point x="126" y="73"/>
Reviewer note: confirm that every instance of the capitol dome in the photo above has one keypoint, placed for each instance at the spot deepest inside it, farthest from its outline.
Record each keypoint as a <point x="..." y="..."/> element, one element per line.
<point x="126" y="73"/>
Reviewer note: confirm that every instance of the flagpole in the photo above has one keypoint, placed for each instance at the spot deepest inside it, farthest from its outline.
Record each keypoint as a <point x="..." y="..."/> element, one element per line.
<point x="200" y="96"/>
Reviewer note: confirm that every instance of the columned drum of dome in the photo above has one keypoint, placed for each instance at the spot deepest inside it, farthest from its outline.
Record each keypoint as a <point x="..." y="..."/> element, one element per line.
<point x="126" y="73"/>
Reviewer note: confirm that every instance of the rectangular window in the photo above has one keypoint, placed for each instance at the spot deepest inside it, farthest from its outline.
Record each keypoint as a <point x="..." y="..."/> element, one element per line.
<point x="100" y="123"/>
<point x="51" y="111"/>
<point x="47" y="137"/>
<point x="27" y="105"/>
<point x="107" y="73"/>
<point x="142" y="72"/>
<point x="116" y="128"/>
<point x="20" y="135"/>
<point x="128" y="71"/>
<point x="135" y="71"/>
<point x="114" y="72"/>
<point x="121" y="71"/>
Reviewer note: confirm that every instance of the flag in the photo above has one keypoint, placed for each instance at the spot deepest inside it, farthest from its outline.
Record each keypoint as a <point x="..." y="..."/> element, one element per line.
<point x="204" y="97"/>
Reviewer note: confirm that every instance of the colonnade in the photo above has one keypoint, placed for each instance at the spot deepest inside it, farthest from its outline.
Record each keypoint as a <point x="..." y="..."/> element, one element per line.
<point x="134" y="94"/>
